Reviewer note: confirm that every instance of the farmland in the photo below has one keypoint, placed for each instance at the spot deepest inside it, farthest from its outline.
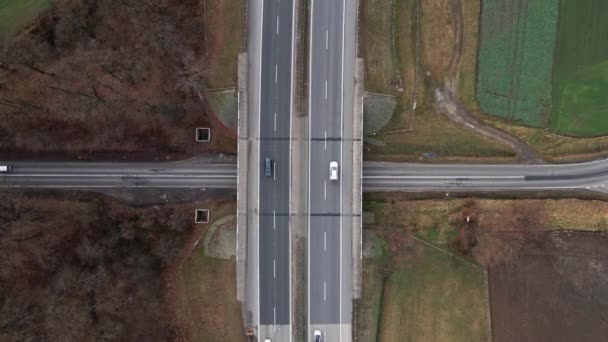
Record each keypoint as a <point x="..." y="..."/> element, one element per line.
<point x="545" y="64"/>
<point x="432" y="297"/>
<point x="548" y="286"/>
<point x="545" y="262"/>
<point x="414" y="292"/>
<point x="402" y="41"/>
<point x="580" y="80"/>
<point x="516" y="58"/>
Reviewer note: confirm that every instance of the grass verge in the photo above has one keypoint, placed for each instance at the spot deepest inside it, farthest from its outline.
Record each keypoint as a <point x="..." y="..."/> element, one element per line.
<point x="435" y="220"/>
<point x="16" y="14"/>
<point x="211" y="298"/>
<point x="367" y="316"/>
<point x="554" y="147"/>
<point x="224" y="34"/>
<point x="207" y="291"/>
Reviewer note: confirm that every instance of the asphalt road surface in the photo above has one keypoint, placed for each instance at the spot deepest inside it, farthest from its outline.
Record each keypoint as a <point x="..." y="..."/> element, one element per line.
<point x="423" y="177"/>
<point x="377" y="176"/>
<point x="182" y="174"/>
<point x="274" y="191"/>
<point x="329" y="246"/>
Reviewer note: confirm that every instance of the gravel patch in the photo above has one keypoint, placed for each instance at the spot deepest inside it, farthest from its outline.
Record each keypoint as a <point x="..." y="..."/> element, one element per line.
<point x="225" y="106"/>
<point x="377" y="111"/>
<point x="372" y="246"/>
<point x="368" y="218"/>
<point x="220" y="241"/>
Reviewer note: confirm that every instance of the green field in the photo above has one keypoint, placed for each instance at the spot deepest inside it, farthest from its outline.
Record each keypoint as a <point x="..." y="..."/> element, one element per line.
<point x="515" y="59"/>
<point x="14" y="14"/>
<point x="434" y="298"/>
<point x="580" y="79"/>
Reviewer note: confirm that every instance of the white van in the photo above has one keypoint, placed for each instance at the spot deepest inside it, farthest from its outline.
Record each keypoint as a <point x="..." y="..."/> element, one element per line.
<point x="333" y="171"/>
<point x="5" y="168"/>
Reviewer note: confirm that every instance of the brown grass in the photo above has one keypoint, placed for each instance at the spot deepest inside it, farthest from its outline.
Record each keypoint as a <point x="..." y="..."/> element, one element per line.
<point x="430" y="295"/>
<point x="375" y="37"/>
<point x="224" y="32"/>
<point x="467" y="73"/>
<point x="553" y="147"/>
<point x="395" y="210"/>
<point x="436" y="38"/>
<point x="206" y="291"/>
<point x="432" y="131"/>
<point x="543" y="275"/>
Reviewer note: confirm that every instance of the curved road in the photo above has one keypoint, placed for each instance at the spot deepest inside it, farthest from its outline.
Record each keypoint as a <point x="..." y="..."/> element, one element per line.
<point x="377" y="176"/>
<point x="425" y="177"/>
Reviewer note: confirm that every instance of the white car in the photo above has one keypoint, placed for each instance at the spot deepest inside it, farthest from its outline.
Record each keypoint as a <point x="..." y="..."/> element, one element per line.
<point x="317" y="336"/>
<point x="333" y="171"/>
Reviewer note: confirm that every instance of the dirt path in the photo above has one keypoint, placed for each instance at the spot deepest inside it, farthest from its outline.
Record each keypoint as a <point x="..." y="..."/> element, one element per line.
<point x="455" y="111"/>
<point x="449" y="104"/>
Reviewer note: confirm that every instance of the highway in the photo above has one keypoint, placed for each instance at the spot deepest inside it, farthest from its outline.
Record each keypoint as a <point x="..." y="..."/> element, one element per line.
<point x="325" y="145"/>
<point x="275" y="112"/>
<point x="329" y="252"/>
<point x="331" y="88"/>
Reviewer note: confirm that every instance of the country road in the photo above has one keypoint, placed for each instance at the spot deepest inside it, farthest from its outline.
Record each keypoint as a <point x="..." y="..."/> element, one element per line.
<point x="182" y="174"/>
<point x="377" y="176"/>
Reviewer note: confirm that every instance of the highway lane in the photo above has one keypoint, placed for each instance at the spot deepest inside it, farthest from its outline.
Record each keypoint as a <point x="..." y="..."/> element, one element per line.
<point x="274" y="191"/>
<point x="326" y="262"/>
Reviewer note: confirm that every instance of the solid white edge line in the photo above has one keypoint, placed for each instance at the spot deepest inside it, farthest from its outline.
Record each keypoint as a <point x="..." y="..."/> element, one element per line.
<point x="312" y="6"/>
<point x="469" y="178"/>
<point x="341" y="157"/>
<point x="260" y="156"/>
<point x="238" y="135"/>
<point x="376" y="188"/>
<point x="361" y="182"/>
<point x="293" y="47"/>
<point x="117" y="175"/>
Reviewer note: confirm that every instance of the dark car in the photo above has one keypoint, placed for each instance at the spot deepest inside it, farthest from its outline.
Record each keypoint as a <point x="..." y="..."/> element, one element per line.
<point x="268" y="166"/>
